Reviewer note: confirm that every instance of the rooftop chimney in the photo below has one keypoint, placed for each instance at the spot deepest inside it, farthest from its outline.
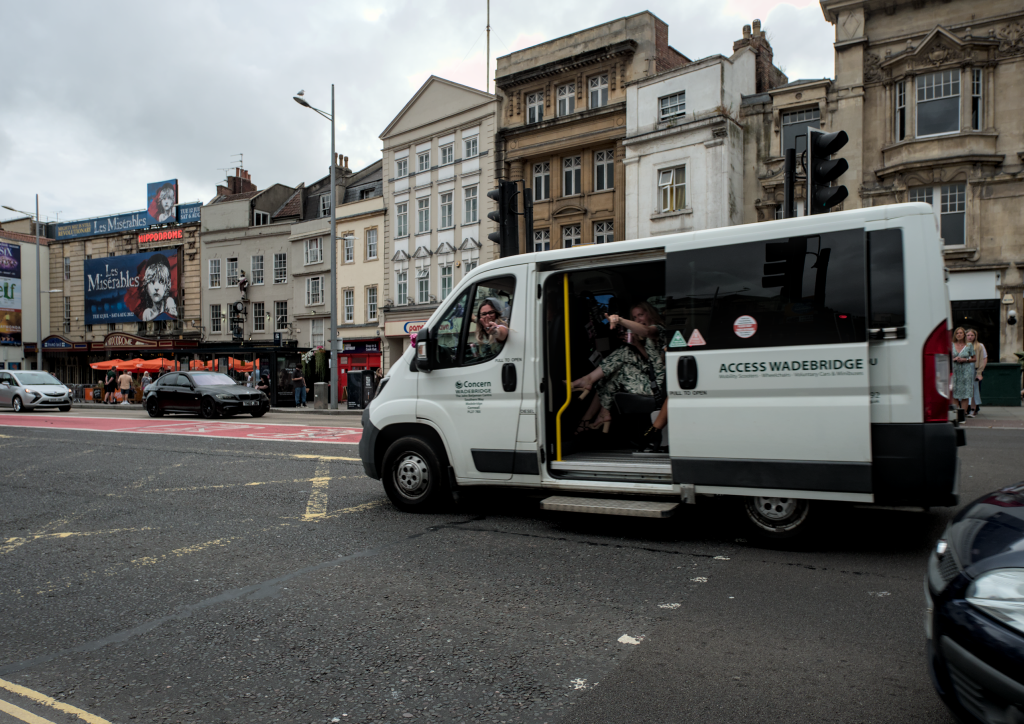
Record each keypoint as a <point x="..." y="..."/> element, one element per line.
<point x="767" y="76"/>
<point x="239" y="183"/>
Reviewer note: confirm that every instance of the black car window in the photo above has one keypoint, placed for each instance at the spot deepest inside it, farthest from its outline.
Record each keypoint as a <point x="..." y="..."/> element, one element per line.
<point x="177" y="380"/>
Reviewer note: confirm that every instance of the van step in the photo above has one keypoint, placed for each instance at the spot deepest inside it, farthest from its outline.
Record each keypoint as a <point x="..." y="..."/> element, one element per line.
<point x="606" y="506"/>
<point x="644" y="464"/>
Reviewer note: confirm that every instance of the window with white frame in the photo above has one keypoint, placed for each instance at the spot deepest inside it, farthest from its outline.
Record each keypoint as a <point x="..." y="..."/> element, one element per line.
<point x="572" y="170"/>
<point x="604" y="169"/>
<point x="401" y="220"/>
<point x="423" y="215"/>
<point x="256" y="269"/>
<point x="672" y="189"/>
<point x="604" y="232"/>
<point x="566" y="95"/>
<point x="447" y="154"/>
<point x="348" y="248"/>
<point x="446" y="209"/>
<point x="325" y="205"/>
<point x="469" y="265"/>
<point x="214" y="273"/>
<point x="673" y="106"/>
<point x="232" y="272"/>
<point x="215" y="318"/>
<point x="349" y="305"/>
<point x="950" y="212"/>
<point x="920" y="195"/>
<point x="371" y="243"/>
<point x="423" y="285"/>
<point x="535" y="107"/>
<point x="422" y="162"/>
<point x="260" y="218"/>
<point x="900" y="129"/>
<point x="67" y="267"/>
<point x="446" y="280"/>
<point x="976" y="110"/>
<point x="401" y="168"/>
<point x="542" y="181"/>
<point x="469" y="198"/>
<point x="280" y="315"/>
<point x="938" y="103"/>
<point x="795" y="124"/>
<point x="542" y="240"/>
<point x="314" y="251"/>
<point x="314" y="291"/>
<point x="316" y="333"/>
<point x="570" y="236"/>
<point x="470" y="147"/>
<point x="401" y="287"/>
<point x="371" y="304"/>
<point x="281" y="268"/>
<point x="599" y="91"/>
<point x="259" y="317"/>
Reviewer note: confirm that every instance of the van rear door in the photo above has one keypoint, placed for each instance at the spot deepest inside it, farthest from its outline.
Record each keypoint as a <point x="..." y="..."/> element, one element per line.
<point x="768" y="364"/>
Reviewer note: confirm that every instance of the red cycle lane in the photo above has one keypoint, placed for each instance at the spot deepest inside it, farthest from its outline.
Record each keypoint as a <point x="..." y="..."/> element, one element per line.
<point x="194" y="428"/>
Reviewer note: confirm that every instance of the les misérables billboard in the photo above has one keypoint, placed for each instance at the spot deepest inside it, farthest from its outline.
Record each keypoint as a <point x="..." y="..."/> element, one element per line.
<point x="131" y="288"/>
<point x="161" y="198"/>
<point x="10" y="294"/>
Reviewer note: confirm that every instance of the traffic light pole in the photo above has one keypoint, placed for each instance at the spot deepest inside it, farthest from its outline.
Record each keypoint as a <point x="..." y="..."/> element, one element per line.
<point x="789" y="181"/>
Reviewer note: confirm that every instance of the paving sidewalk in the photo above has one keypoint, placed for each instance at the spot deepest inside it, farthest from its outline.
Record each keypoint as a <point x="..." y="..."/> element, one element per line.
<point x="997" y="417"/>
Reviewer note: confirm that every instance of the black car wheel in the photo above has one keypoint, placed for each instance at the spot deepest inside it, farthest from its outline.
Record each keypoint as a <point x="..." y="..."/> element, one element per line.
<point x="65" y="408"/>
<point x="412" y="476"/>
<point x="207" y="408"/>
<point x="259" y="413"/>
<point x="18" y="406"/>
<point x="153" y="408"/>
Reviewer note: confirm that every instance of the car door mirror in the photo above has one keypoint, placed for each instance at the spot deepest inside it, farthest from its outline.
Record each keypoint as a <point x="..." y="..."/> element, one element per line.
<point x="423" y="359"/>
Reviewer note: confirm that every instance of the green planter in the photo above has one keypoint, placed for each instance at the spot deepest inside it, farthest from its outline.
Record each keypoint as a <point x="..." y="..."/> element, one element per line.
<point x="1001" y="386"/>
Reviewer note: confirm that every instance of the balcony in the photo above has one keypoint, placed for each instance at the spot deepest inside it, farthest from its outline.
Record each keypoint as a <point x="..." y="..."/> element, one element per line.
<point x="964" y="148"/>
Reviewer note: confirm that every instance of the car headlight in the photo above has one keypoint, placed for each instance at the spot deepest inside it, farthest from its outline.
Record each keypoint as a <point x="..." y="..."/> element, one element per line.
<point x="29" y="391"/>
<point x="1000" y="594"/>
<point x="225" y="397"/>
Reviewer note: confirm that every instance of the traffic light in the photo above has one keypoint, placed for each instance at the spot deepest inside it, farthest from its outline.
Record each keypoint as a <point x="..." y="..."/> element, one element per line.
<point x="237" y="320"/>
<point x="507" y="217"/>
<point x="784" y="267"/>
<point x="822" y="170"/>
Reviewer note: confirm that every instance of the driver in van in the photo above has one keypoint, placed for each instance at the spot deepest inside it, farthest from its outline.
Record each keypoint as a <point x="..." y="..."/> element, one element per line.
<point x="637" y="367"/>
<point x="491" y="328"/>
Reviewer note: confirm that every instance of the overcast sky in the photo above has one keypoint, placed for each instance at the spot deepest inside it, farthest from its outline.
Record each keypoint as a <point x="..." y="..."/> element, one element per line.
<point x="97" y="99"/>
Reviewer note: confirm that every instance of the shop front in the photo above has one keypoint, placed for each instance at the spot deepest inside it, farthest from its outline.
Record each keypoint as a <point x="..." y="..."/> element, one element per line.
<point x="397" y="337"/>
<point x="357" y="354"/>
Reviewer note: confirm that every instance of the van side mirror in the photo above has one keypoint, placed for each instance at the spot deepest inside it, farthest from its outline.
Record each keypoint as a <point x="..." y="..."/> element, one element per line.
<point x="424" y="350"/>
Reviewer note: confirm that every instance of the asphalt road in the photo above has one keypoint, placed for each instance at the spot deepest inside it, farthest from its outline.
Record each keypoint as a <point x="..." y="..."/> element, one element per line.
<point x="155" y="578"/>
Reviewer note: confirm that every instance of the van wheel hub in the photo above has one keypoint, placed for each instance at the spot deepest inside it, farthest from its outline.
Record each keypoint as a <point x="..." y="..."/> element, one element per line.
<point x="776" y="508"/>
<point x="412" y="475"/>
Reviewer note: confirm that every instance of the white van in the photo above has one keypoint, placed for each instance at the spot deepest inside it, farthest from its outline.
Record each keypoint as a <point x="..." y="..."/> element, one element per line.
<point x="806" y="360"/>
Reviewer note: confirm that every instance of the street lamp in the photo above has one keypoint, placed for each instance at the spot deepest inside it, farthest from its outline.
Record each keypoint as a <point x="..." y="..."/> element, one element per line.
<point x="333" y="366"/>
<point x="39" y="291"/>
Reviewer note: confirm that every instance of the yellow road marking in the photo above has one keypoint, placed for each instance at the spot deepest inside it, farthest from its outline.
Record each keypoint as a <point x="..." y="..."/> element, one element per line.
<point x="323" y="457"/>
<point x="18" y="713"/>
<point x="179" y="552"/>
<point x="12" y="543"/>
<point x="7" y="436"/>
<point x="50" y="702"/>
<point x="354" y="509"/>
<point x="317" y="506"/>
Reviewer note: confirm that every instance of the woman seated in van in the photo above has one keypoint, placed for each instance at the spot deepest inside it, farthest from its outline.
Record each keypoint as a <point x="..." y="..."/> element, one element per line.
<point x="491" y="328"/>
<point x="637" y="367"/>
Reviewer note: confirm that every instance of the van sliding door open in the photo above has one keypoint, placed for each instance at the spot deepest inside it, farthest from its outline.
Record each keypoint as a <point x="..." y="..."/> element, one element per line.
<point x="768" y="364"/>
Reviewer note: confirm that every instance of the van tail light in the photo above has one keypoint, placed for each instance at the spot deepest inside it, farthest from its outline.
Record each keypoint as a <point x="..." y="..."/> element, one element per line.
<point x="937" y="375"/>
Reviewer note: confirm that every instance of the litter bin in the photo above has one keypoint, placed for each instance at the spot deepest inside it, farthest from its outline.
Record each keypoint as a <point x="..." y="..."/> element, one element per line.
<point x="1001" y="386"/>
<point x="321" y="396"/>
<point x="355" y="390"/>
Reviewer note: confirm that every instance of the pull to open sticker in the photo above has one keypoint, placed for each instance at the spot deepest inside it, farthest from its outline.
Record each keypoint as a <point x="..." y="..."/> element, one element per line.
<point x="744" y="326"/>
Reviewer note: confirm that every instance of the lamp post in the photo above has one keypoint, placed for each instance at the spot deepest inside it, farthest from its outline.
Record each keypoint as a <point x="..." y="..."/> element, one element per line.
<point x="333" y="364"/>
<point x="39" y="289"/>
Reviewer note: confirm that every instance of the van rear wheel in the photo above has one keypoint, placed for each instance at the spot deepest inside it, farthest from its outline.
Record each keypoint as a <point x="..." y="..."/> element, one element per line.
<point x="777" y="518"/>
<point x="412" y="475"/>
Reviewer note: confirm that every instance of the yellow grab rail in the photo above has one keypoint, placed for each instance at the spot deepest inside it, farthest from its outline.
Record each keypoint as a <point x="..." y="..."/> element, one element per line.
<point x="568" y="372"/>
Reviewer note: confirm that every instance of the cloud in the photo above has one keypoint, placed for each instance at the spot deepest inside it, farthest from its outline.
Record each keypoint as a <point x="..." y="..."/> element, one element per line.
<point x="372" y="15"/>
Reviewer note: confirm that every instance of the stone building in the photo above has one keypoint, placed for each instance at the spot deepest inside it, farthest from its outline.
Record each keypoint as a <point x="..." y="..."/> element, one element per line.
<point x="562" y="125"/>
<point x="438" y="167"/>
<point x="930" y="95"/>
<point x="18" y="309"/>
<point x="684" y="141"/>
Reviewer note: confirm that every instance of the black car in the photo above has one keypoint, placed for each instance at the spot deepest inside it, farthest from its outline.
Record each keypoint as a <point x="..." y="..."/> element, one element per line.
<point x="975" y="610"/>
<point x="209" y="394"/>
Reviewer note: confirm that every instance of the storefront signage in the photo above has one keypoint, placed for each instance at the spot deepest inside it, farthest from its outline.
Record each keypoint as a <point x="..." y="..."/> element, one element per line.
<point x="131" y="288"/>
<point x="392" y="329"/>
<point x="166" y="235"/>
<point x="161" y="198"/>
<point x="10" y="294"/>
<point x="57" y="343"/>
<point x="189" y="213"/>
<point x="103" y="225"/>
<point x="360" y="347"/>
<point x="120" y="340"/>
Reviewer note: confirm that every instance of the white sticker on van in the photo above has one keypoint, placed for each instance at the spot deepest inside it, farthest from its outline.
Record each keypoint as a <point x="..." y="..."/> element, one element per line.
<point x="744" y="326"/>
<point x="677" y="340"/>
<point x="696" y="339"/>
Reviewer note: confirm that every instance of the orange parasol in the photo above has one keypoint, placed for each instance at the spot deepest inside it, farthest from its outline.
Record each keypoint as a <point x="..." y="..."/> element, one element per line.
<point x="106" y="364"/>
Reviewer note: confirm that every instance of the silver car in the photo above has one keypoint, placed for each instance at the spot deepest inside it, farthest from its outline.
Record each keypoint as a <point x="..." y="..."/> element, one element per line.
<point x="33" y="390"/>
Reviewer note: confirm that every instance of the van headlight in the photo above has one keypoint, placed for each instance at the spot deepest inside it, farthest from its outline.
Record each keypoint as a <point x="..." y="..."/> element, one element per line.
<point x="1000" y="594"/>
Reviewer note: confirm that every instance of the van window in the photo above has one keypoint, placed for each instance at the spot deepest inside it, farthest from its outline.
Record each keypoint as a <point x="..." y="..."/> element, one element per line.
<point x="462" y="337"/>
<point x="449" y="332"/>
<point x="885" y="263"/>
<point x="781" y="292"/>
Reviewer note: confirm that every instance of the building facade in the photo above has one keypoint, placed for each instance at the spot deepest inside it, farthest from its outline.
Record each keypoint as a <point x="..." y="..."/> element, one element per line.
<point x="18" y="308"/>
<point x="438" y="166"/>
<point x="562" y="125"/>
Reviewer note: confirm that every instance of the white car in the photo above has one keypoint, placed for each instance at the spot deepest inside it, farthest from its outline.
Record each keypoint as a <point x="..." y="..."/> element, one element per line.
<point x="33" y="390"/>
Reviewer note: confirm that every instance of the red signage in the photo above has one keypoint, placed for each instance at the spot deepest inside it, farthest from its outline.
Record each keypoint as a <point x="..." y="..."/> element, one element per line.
<point x="168" y="235"/>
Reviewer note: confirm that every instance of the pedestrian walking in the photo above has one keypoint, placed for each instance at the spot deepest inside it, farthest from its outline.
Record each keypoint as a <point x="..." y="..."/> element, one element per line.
<point x="146" y="381"/>
<point x="125" y="383"/>
<point x="963" y="369"/>
<point x="300" y="387"/>
<point x="109" y="385"/>
<point x="981" y="362"/>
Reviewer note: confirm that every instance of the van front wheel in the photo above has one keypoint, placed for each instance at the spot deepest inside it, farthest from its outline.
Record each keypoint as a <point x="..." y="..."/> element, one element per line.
<point x="412" y="475"/>
<point x="777" y="518"/>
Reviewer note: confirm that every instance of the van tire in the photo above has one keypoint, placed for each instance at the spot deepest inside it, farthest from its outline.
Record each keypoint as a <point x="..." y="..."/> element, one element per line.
<point x="777" y="518"/>
<point x="412" y="475"/>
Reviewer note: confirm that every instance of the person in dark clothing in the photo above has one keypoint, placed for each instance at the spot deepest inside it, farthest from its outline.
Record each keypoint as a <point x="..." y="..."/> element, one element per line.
<point x="300" y="387"/>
